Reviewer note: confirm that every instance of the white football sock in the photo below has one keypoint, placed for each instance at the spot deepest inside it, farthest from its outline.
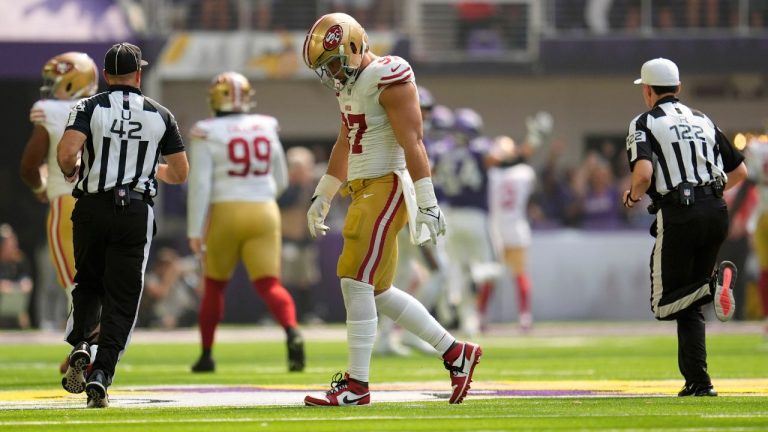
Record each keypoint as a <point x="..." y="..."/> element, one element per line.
<point x="361" y="326"/>
<point x="414" y="317"/>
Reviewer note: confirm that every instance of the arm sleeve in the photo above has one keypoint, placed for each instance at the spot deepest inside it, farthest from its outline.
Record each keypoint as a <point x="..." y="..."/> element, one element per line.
<point x="279" y="167"/>
<point x="171" y="142"/>
<point x="199" y="191"/>
<point x="638" y="142"/>
<point x="732" y="158"/>
<point x="80" y="116"/>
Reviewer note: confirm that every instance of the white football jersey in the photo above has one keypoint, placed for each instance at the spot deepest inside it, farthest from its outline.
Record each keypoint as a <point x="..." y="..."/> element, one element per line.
<point x="756" y="158"/>
<point x="508" y="192"/>
<point x="235" y="157"/>
<point x="373" y="148"/>
<point x="52" y="114"/>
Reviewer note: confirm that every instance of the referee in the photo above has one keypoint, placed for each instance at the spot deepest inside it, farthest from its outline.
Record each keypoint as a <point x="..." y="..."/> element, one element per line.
<point x="684" y="162"/>
<point x="111" y="148"/>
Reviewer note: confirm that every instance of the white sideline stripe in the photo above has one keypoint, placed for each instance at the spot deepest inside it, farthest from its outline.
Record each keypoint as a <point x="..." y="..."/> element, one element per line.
<point x="387" y="417"/>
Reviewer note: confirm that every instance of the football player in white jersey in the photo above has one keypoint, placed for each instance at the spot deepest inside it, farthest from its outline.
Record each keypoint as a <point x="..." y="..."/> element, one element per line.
<point x="757" y="162"/>
<point x="67" y="78"/>
<point x="510" y="184"/>
<point x="378" y="150"/>
<point x="237" y="169"/>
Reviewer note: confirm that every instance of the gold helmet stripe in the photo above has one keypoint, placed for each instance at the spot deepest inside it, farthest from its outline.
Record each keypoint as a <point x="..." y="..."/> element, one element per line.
<point x="308" y="39"/>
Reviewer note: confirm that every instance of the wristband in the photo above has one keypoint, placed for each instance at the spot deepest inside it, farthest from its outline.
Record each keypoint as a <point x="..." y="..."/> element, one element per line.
<point x="327" y="186"/>
<point x="425" y="193"/>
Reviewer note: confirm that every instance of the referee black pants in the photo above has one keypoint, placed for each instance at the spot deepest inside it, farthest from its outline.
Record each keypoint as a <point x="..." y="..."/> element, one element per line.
<point x="682" y="263"/>
<point x="111" y="249"/>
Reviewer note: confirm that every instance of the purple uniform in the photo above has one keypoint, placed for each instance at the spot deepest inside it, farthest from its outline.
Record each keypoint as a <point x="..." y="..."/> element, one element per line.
<point x="462" y="176"/>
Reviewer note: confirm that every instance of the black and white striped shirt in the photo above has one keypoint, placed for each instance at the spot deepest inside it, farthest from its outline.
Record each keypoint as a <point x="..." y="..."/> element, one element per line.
<point x="126" y="134"/>
<point x="683" y="145"/>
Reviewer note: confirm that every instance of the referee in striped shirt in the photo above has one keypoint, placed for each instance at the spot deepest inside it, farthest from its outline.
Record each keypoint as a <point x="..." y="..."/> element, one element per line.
<point x="684" y="162"/>
<point x="111" y="149"/>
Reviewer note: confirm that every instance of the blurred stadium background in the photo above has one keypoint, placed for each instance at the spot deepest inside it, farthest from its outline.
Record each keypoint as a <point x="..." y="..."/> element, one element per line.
<point x="507" y="59"/>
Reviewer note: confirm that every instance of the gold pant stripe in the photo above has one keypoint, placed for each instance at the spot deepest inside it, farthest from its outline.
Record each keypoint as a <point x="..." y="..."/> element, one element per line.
<point x="60" y="239"/>
<point x="375" y="249"/>
<point x="373" y="220"/>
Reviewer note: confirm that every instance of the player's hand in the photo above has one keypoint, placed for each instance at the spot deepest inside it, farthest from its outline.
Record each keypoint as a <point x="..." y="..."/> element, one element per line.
<point x="316" y="215"/>
<point x="196" y="245"/>
<point x="42" y="197"/>
<point x="434" y="220"/>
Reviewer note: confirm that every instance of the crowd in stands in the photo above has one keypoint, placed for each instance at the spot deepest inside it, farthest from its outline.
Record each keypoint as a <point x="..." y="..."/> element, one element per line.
<point x="268" y="15"/>
<point x="597" y="16"/>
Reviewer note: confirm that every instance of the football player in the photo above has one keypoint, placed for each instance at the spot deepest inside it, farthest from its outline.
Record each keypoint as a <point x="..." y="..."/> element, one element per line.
<point x="378" y="151"/>
<point x="67" y="78"/>
<point x="462" y="174"/>
<point x="510" y="184"/>
<point x="757" y="161"/>
<point x="237" y="169"/>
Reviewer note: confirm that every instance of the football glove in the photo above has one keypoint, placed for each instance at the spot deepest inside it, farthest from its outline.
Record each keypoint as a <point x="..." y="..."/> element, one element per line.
<point x="433" y="219"/>
<point x="316" y="215"/>
<point x="429" y="212"/>
<point x="321" y="203"/>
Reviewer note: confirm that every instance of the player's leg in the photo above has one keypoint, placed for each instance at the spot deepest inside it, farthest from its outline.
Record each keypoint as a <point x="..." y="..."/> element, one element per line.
<point x="460" y="358"/>
<point x="368" y="259"/>
<point x="761" y="249"/>
<point x="386" y="341"/>
<point x="516" y="258"/>
<point x="60" y="241"/>
<point x="483" y="266"/>
<point x="373" y="220"/>
<point x="261" y="255"/>
<point x="61" y="249"/>
<point x="222" y="242"/>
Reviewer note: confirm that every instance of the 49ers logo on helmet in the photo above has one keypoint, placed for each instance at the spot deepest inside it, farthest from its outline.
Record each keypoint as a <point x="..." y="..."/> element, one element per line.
<point x="63" y="67"/>
<point x="332" y="37"/>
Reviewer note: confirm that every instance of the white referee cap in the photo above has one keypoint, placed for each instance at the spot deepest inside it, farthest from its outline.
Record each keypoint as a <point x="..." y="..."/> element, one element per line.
<point x="659" y="72"/>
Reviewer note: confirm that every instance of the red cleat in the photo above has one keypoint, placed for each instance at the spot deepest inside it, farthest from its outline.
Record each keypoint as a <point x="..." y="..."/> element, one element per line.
<point x="344" y="391"/>
<point x="460" y="361"/>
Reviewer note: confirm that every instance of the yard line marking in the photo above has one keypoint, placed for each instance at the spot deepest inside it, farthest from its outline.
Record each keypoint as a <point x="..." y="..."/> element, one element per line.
<point x="181" y="396"/>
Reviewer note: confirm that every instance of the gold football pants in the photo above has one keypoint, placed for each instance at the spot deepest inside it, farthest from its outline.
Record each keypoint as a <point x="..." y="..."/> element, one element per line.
<point x="374" y="218"/>
<point x="247" y="231"/>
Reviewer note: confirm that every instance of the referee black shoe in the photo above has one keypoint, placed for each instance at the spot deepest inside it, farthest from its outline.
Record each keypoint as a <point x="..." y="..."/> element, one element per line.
<point x="295" y="343"/>
<point x="697" y="390"/>
<point x="79" y="359"/>
<point x="726" y="279"/>
<point x="96" y="389"/>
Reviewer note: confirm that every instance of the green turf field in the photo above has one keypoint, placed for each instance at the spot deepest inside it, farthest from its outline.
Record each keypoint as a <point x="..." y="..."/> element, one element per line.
<point x="633" y="379"/>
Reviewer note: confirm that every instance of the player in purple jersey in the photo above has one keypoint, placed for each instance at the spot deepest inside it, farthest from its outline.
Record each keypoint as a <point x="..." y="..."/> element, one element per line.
<point x="462" y="175"/>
